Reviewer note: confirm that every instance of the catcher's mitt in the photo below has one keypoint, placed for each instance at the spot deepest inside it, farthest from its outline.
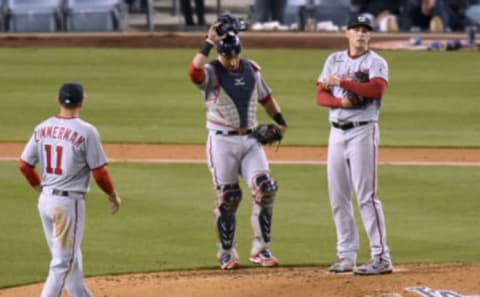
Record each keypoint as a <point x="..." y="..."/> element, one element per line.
<point x="358" y="101"/>
<point x="268" y="133"/>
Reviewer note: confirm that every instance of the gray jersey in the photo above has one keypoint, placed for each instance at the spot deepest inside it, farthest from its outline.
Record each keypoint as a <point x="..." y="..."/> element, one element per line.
<point x="67" y="149"/>
<point x="343" y="66"/>
<point x="231" y="98"/>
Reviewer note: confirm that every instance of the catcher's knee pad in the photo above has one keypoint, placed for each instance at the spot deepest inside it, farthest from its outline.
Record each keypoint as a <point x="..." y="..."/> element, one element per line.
<point x="265" y="188"/>
<point x="228" y="200"/>
<point x="229" y="197"/>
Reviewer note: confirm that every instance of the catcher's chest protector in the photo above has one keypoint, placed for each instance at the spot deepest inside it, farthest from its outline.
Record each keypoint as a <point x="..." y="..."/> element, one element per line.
<point x="239" y="86"/>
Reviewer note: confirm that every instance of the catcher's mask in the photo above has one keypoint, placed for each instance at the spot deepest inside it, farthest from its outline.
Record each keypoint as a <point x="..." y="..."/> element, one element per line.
<point x="230" y="46"/>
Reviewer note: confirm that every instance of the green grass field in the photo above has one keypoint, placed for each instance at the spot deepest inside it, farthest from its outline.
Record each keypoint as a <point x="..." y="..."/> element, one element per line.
<point x="146" y="95"/>
<point x="166" y="223"/>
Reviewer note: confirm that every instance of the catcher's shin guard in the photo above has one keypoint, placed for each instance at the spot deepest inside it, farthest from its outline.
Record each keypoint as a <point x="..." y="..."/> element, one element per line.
<point x="265" y="223"/>
<point x="264" y="194"/>
<point x="227" y="203"/>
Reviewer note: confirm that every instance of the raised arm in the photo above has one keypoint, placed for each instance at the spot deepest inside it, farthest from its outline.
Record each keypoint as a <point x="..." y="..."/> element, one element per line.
<point x="195" y="69"/>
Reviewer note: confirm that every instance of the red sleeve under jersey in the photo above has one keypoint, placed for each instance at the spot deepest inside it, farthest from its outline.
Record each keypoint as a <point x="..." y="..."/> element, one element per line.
<point x="266" y="99"/>
<point x="103" y="179"/>
<point x="30" y="173"/>
<point x="325" y="98"/>
<point x="373" y="89"/>
<point x="197" y="75"/>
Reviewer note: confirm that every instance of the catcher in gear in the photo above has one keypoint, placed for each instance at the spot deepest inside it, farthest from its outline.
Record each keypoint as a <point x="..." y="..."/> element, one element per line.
<point x="232" y="87"/>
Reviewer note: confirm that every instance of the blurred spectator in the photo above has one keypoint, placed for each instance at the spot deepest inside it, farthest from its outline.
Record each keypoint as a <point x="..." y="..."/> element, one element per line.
<point x="472" y="14"/>
<point x="292" y="13"/>
<point x="457" y="10"/>
<point x="384" y="14"/>
<point x="268" y="14"/>
<point x="317" y="15"/>
<point x="135" y="5"/>
<point x="186" y="7"/>
<point x="425" y="15"/>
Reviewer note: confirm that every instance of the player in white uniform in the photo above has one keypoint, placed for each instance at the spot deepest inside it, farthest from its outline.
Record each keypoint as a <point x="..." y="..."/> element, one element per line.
<point x="232" y="88"/>
<point x="353" y="148"/>
<point x="67" y="150"/>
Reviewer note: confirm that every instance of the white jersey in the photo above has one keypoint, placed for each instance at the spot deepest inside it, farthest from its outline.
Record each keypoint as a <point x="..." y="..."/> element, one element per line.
<point x="67" y="149"/>
<point x="231" y="98"/>
<point x="343" y="66"/>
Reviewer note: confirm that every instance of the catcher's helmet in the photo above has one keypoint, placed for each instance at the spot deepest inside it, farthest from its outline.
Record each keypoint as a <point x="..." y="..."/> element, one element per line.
<point x="229" y="46"/>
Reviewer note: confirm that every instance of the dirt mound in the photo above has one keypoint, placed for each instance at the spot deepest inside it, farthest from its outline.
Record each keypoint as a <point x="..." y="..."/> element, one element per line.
<point x="448" y="280"/>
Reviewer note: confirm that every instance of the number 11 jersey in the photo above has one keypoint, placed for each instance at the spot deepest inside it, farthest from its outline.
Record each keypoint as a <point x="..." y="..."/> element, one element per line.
<point x="67" y="149"/>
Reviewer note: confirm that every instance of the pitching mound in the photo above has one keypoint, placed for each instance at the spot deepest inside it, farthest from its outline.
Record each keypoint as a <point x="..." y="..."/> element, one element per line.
<point x="447" y="280"/>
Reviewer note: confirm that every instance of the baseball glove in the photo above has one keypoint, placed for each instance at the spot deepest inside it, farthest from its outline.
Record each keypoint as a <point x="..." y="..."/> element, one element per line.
<point x="268" y="133"/>
<point x="358" y="101"/>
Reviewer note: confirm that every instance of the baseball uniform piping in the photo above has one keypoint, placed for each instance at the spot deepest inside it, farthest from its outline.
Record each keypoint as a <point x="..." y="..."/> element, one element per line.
<point x="374" y="194"/>
<point x="70" y="265"/>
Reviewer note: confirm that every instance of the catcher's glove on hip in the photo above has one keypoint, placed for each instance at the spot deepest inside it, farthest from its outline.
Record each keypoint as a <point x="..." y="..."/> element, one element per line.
<point x="268" y="133"/>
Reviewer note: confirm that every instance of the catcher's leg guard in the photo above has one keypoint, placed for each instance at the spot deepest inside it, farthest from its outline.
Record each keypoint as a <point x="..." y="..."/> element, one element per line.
<point x="229" y="197"/>
<point x="265" y="188"/>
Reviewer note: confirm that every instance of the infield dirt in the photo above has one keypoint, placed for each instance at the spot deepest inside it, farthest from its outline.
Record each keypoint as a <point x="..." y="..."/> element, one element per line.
<point x="450" y="280"/>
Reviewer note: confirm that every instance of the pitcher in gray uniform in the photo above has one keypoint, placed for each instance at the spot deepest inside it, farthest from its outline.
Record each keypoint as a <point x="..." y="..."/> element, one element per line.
<point x="67" y="150"/>
<point x="353" y="148"/>
<point x="232" y="88"/>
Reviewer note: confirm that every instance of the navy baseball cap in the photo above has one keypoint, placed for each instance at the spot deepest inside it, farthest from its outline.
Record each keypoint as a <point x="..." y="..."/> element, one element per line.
<point x="360" y="21"/>
<point x="71" y="94"/>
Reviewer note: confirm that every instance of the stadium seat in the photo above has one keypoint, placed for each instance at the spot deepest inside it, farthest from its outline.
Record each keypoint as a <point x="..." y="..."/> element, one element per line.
<point x="96" y="15"/>
<point x="33" y="15"/>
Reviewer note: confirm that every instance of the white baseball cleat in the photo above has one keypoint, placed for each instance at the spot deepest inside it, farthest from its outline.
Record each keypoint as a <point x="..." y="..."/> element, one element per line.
<point x="229" y="260"/>
<point x="375" y="266"/>
<point x="264" y="258"/>
<point x="342" y="265"/>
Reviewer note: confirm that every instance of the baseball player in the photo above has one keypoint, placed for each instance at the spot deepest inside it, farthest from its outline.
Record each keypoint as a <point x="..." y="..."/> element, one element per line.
<point x="232" y="87"/>
<point x="353" y="148"/>
<point x="67" y="150"/>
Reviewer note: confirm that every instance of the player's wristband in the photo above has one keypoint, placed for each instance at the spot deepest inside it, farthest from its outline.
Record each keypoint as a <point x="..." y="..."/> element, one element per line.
<point x="278" y="118"/>
<point x="206" y="48"/>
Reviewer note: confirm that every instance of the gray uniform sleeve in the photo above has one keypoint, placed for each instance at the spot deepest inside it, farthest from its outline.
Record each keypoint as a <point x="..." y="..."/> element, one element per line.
<point x="263" y="89"/>
<point x="327" y="68"/>
<point x="210" y="78"/>
<point x="95" y="154"/>
<point x="30" y="152"/>
<point x="379" y="69"/>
